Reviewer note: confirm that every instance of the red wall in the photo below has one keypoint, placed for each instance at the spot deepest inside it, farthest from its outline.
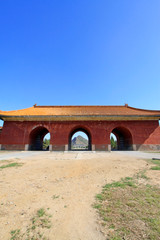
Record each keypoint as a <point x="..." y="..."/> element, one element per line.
<point x="16" y="134"/>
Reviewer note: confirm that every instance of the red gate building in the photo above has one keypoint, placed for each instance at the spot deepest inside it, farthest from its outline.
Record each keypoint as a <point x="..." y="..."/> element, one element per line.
<point x="135" y="129"/>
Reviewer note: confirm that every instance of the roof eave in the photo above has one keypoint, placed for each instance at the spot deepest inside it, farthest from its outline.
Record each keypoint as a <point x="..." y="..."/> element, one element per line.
<point x="79" y="117"/>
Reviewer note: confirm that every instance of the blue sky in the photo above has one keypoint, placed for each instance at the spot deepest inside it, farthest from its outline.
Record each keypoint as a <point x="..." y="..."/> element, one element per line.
<point x="84" y="52"/>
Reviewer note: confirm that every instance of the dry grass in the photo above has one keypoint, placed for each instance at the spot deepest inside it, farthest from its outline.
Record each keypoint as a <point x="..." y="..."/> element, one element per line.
<point x="129" y="210"/>
<point x="36" y="229"/>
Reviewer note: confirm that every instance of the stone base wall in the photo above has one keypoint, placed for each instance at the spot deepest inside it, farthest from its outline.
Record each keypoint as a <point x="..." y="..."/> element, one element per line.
<point x="148" y="147"/>
<point x="101" y="147"/>
<point x="58" y="147"/>
<point x="12" y="147"/>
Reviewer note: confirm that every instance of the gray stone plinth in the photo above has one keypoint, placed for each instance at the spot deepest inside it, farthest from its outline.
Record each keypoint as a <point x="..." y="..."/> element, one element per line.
<point x="109" y="147"/>
<point x="26" y="148"/>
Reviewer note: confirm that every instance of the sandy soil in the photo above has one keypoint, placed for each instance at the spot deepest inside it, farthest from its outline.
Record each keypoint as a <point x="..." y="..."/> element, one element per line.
<point x="75" y="178"/>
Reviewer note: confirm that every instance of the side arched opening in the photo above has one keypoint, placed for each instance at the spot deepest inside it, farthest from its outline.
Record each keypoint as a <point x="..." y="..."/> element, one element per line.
<point x="113" y="140"/>
<point x="121" y="139"/>
<point x="1" y="125"/>
<point x="39" y="139"/>
<point x="80" y="140"/>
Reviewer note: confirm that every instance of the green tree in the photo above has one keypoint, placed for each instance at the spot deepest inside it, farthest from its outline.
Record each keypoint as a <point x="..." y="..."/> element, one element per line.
<point x="113" y="143"/>
<point x="46" y="143"/>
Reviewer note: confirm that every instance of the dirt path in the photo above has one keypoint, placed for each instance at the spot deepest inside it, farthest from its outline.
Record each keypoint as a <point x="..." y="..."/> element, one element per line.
<point x="63" y="183"/>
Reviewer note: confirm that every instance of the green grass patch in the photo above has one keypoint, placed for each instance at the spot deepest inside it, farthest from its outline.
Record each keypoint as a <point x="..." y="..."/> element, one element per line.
<point x="100" y="196"/>
<point x="156" y="163"/>
<point x="155" y="168"/>
<point x="39" y="224"/>
<point x="142" y="175"/>
<point x="11" y="165"/>
<point x="15" y="234"/>
<point x="121" y="184"/>
<point x="55" y="197"/>
<point x="129" y="209"/>
<point x="41" y="212"/>
<point x="97" y="206"/>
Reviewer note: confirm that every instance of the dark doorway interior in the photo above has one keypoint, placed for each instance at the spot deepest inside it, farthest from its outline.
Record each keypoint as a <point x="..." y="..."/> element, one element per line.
<point x="123" y="139"/>
<point x="37" y="139"/>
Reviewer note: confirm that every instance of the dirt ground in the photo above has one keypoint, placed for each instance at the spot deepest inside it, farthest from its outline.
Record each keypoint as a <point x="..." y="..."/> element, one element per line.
<point x="66" y="185"/>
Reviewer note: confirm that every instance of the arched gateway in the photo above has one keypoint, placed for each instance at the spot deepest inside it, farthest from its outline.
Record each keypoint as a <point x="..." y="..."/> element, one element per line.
<point x="124" y="138"/>
<point x="135" y="129"/>
<point x="36" y="138"/>
<point x="84" y="140"/>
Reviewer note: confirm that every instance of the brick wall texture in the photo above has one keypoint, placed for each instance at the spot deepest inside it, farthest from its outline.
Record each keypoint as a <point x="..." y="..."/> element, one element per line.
<point x="16" y="134"/>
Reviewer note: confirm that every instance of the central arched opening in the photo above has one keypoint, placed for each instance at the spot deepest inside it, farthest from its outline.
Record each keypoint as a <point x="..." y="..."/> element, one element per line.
<point x="121" y="139"/>
<point x="79" y="140"/>
<point x="39" y="139"/>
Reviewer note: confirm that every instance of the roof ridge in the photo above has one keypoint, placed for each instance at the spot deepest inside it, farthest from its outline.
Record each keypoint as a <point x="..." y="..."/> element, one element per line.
<point x="141" y="109"/>
<point x="50" y="106"/>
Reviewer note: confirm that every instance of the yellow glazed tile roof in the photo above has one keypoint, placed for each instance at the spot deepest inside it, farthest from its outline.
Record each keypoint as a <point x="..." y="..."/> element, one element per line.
<point x="80" y="111"/>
